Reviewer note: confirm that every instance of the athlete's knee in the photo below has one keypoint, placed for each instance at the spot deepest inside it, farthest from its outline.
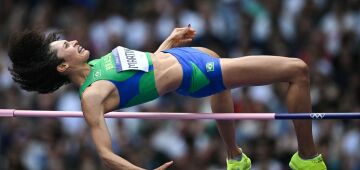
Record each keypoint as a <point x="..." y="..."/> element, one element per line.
<point x="299" y="69"/>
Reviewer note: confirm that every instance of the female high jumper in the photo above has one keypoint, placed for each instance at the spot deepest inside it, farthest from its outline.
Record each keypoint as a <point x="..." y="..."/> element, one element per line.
<point x="124" y="78"/>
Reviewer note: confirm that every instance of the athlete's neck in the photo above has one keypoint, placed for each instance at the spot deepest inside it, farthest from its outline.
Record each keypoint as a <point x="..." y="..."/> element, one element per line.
<point x="79" y="74"/>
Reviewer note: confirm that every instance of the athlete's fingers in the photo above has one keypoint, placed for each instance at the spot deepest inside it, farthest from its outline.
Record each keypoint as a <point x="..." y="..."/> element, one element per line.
<point x="190" y="29"/>
<point x="180" y="34"/>
<point x="181" y="29"/>
<point x="187" y="29"/>
<point x="164" y="166"/>
<point x="186" y="40"/>
<point x="190" y="35"/>
<point x="189" y="32"/>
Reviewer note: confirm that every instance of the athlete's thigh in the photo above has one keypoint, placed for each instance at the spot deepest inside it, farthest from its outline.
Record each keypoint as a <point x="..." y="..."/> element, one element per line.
<point x="258" y="70"/>
<point x="220" y="102"/>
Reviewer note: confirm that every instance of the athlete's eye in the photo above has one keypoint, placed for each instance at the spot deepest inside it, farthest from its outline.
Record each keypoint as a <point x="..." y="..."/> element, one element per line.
<point x="66" y="45"/>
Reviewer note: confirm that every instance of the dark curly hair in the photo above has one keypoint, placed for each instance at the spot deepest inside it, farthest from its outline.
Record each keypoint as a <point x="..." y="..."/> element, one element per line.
<point x="34" y="63"/>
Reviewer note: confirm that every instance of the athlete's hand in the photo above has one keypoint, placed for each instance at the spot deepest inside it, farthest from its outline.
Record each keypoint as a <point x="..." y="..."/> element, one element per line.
<point x="181" y="36"/>
<point x="178" y="37"/>
<point x="164" y="166"/>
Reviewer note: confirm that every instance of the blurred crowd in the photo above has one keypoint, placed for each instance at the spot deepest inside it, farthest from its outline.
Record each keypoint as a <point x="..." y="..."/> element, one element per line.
<point x="323" y="33"/>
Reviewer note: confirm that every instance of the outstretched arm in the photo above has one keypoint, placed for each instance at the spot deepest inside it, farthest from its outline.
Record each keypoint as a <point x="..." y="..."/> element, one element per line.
<point x="93" y="108"/>
<point x="179" y="36"/>
<point x="93" y="111"/>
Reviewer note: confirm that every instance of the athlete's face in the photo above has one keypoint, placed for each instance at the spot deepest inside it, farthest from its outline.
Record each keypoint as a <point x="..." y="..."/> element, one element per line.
<point x="71" y="52"/>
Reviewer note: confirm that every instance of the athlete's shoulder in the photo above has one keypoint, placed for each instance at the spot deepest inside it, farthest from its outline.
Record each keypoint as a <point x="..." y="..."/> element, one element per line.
<point x="98" y="90"/>
<point x="90" y="93"/>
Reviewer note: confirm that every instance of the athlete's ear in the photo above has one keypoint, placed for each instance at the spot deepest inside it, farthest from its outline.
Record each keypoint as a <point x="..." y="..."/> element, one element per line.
<point x="62" y="67"/>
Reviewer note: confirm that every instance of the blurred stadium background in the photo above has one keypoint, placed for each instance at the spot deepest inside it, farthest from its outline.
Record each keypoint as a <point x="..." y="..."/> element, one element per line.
<point x="324" y="33"/>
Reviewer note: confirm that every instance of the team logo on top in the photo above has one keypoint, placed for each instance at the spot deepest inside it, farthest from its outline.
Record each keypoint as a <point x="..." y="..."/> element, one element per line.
<point x="210" y="66"/>
<point x="97" y="74"/>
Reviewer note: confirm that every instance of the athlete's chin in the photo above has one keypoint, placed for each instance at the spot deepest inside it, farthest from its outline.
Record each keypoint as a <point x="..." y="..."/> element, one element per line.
<point x="86" y="54"/>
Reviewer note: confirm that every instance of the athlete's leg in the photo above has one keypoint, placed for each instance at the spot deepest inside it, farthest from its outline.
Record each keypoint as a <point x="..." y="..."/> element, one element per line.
<point x="259" y="70"/>
<point x="222" y="103"/>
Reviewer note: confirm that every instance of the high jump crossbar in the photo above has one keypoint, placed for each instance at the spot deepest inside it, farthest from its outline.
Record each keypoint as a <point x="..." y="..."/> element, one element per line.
<point x="189" y="116"/>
